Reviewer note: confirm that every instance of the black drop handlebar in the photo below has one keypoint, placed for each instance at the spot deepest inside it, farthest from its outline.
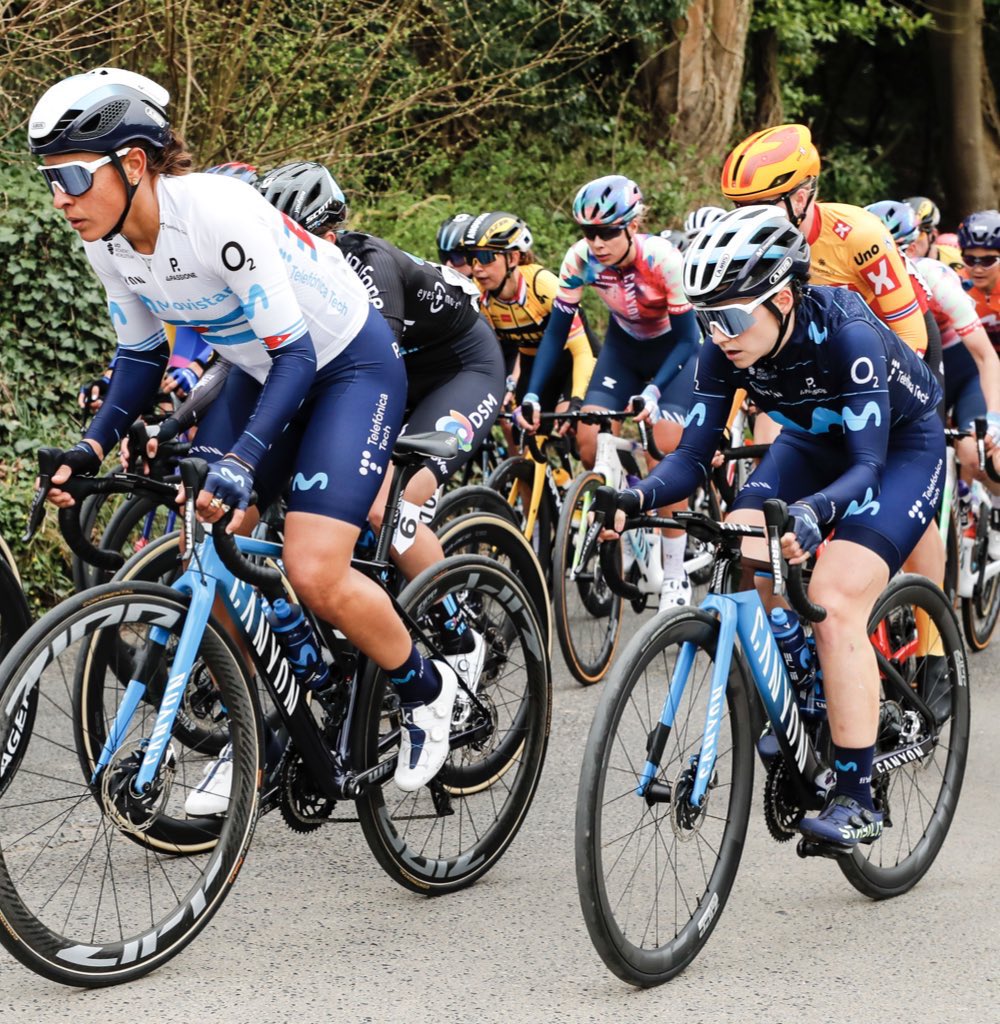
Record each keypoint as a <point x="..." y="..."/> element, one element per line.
<point x="777" y="521"/>
<point x="593" y="417"/>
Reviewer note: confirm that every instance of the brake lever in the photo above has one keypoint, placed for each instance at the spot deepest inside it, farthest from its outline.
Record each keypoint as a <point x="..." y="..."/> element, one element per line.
<point x="48" y="463"/>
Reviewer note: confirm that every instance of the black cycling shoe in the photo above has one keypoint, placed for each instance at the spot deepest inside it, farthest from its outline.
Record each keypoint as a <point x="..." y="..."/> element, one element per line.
<point x="842" y="824"/>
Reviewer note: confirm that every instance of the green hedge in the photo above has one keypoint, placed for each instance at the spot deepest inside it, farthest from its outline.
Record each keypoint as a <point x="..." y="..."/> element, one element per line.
<point x="55" y="332"/>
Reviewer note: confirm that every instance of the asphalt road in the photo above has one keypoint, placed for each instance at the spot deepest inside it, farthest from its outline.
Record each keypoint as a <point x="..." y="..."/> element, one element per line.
<point x="315" y="931"/>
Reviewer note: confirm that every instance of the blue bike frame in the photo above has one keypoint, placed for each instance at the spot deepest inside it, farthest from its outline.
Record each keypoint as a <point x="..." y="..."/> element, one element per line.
<point x="205" y="578"/>
<point x="740" y="615"/>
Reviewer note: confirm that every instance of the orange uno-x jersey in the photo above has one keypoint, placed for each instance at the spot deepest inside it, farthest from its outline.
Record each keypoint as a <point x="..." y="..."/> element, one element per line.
<point x="851" y="248"/>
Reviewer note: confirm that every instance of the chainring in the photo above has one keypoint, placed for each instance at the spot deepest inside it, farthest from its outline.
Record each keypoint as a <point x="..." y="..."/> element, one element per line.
<point x="781" y="811"/>
<point x="302" y="807"/>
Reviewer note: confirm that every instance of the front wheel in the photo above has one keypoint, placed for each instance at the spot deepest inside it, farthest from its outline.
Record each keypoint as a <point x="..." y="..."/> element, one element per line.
<point x="101" y="883"/>
<point x="588" y="614"/>
<point x="919" y="763"/>
<point x="448" y="834"/>
<point x="654" y="868"/>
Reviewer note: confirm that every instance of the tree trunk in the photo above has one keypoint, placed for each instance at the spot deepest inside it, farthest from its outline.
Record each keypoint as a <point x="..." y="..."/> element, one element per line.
<point x="769" y="109"/>
<point x="694" y="84"/>
<point x="968" y="97"/>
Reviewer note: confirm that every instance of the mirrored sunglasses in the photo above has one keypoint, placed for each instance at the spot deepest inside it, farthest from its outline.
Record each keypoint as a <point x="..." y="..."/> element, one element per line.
<point x="76" y="176"/>
<point x="606" y="234"/>
<point x="731" y="320"/>
<point x="456" y="257"/>
<point x="482" y="256"/>
<point x="980" y="261"/>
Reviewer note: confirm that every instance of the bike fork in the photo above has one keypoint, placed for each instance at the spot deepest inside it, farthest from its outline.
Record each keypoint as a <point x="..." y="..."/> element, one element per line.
<point x="713" y="715"/>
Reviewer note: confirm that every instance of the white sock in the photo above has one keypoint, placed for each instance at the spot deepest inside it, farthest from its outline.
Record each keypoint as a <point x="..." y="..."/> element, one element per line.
<point x="673" y="556"/>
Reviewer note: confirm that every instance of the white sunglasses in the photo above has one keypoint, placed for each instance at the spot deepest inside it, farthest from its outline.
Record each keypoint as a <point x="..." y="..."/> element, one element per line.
<point x="76" y="176"/>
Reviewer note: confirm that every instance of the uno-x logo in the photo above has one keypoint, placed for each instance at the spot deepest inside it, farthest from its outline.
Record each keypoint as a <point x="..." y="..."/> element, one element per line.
<point x="841" y="230"/>
<point x="881" y="277"/>
<point x="367" y="463"/>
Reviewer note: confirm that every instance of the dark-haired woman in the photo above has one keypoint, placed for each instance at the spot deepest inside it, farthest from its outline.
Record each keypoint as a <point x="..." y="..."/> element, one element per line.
<point x="312" y="360"/>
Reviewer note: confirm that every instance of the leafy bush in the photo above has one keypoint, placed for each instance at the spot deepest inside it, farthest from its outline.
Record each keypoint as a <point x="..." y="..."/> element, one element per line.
<point x="55" y="333"/>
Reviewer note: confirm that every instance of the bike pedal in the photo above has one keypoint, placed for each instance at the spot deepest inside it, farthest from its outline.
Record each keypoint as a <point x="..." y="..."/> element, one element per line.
<point x="810" y="848"/>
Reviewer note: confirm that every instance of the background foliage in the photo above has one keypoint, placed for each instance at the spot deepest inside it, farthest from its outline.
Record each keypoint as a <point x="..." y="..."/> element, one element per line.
<point x="426" y="107"/>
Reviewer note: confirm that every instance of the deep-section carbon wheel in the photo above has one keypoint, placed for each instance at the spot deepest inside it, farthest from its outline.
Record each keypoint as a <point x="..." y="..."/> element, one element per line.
<point x="654" y="870"/>
<point x="919" y="762"/>
<point x="446" y="835"/>
<point x="101" y="882"/>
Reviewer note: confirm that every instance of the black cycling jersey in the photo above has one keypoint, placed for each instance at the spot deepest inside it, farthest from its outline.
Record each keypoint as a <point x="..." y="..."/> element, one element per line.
<point x="426" y="305"/>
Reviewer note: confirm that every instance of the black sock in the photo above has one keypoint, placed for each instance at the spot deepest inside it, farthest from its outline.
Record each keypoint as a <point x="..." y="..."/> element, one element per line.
<point x="416" y="680"/>
<point x="853" y="766"/>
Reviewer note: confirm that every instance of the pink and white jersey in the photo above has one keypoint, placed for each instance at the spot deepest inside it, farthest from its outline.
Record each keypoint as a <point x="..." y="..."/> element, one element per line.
<point x="228" y="264"/>
<point x="642" y="296"/>
<point x="951" y="306"/>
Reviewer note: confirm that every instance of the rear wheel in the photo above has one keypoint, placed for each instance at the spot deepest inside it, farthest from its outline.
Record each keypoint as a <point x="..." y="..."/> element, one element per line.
<point x="919" y="762"/>
<point x="501" y="542"/>
<point x="588" y="615"/>
<point x="448" y="834"/>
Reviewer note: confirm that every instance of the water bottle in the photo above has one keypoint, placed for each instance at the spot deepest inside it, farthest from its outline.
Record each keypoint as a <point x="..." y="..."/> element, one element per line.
<point x="795" y="650"/>
<point x="295" y="633"/>
<point x="964" y="505"/>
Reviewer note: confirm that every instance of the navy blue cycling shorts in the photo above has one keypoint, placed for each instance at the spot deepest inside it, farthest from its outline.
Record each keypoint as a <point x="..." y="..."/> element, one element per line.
<point x="798" y="465"/>
<point x="336" y="448"/>
<point x="461" y="396"/>
<point x="626" y="365"/>
<point x="963" y="395"/>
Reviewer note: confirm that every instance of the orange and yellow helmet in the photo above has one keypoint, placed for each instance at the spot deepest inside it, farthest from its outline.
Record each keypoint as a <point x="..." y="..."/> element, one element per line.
<point x="770" y="164"/>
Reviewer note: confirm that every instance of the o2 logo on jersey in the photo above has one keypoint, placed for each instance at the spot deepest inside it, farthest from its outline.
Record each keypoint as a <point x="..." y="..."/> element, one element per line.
<point x="459" y="425"/>
<point x="881" y="277"/>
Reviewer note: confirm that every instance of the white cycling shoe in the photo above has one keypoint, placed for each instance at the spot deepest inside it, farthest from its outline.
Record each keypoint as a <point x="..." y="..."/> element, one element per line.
<point x="675" y="593"/>
<point x="424" y="733"/>
<point x="211" y="795"/>
<point x="469" y="667"/>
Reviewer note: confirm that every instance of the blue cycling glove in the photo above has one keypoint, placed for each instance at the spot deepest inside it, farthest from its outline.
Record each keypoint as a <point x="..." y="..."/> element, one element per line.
<point x="184" y="377"/>
<point x="231" y="481"/>
<point x="806" y="528"/>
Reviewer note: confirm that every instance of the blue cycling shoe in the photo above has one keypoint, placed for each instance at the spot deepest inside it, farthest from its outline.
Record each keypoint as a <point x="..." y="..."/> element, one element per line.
<point x="843" y="823"/>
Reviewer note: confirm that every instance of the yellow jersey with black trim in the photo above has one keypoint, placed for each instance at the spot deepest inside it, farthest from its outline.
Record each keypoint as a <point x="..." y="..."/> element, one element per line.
<point x="851" y="247"/>
<point x="521" y="321"/>
<point x="950" y="256"/>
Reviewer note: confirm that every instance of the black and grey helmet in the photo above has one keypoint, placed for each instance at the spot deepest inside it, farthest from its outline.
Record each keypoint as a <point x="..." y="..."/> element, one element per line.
<point x="306" y="192"/>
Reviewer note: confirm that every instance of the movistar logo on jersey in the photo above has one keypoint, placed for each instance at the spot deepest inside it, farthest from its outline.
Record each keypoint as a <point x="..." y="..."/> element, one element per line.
<point x="319" y="480"/>
<point x="697" y="414"/>
<point x="869" y="505"/>
<point x="817" y="334"/>
<point x="859" y="421"/>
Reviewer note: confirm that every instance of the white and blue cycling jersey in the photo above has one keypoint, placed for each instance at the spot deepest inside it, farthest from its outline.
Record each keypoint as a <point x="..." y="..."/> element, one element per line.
<point x="276" y="301"/>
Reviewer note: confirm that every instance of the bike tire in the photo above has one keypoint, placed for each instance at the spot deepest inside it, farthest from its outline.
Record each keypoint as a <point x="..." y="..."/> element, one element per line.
<point x="627" y="846"/>
<point x="588" y="614"/>
<point x="980" y="612"/>
<point x="95" y="513"/>
<point x="451" y="832"/>
<point x="919" y="798"/>
<point x="128" y="524"/>
<point x="474" y="498"/>
<point x="15" y="616"/>
<point x="500" y="541"/>
<point x="520" y="471"/>
<point x="93" y="891"/>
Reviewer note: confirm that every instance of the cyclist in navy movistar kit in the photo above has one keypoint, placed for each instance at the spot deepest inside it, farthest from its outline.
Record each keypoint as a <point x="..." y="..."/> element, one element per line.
<point x="317" y="389"/>
<point x="861" y="449"/>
